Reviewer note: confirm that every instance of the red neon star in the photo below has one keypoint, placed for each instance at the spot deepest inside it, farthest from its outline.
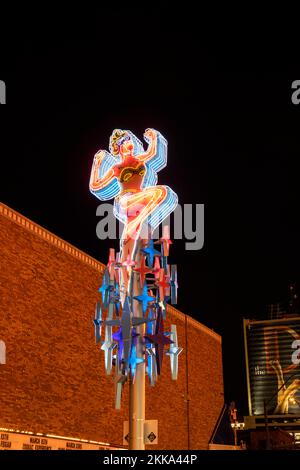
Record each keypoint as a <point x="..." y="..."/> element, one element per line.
<point x="143" y="270"/>
<point x="163" y="284"/>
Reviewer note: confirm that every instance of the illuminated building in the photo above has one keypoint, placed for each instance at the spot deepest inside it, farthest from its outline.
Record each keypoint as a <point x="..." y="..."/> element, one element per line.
<point x="272" y="351"/>
<point x="53" y="382"/>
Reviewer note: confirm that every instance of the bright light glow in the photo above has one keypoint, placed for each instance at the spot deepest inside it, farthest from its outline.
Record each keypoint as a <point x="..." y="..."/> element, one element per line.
<point x="238" y="425"/>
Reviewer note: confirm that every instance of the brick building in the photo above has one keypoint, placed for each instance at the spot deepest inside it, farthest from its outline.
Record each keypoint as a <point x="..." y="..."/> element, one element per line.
<point x="52" y="378"/>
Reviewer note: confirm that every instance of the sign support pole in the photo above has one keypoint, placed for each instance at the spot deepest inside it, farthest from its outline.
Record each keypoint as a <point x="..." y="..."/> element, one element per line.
<point x="137" y="386"/>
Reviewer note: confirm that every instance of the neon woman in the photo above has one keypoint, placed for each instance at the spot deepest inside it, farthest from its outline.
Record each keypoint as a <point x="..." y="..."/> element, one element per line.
<point x="129" y="174"/>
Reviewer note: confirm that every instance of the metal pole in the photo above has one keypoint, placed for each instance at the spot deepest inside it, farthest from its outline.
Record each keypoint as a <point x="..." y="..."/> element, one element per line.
<point x="137" y="388"/>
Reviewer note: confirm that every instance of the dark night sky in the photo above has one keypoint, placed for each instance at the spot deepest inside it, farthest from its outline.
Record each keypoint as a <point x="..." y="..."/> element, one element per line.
<point x="233" y="136"/>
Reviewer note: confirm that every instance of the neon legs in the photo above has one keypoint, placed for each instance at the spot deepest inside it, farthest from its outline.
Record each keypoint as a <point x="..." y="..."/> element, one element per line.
<point x="137" y="207"/>
<point x="134" y="210"/>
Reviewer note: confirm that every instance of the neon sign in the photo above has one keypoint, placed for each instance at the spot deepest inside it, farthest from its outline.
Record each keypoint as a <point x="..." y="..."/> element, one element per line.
<point x="129" y="174"/>
<point x="138" y="278"/>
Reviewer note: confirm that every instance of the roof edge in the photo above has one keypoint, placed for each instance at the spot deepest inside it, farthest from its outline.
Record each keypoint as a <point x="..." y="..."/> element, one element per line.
<point x="49" y="237"/>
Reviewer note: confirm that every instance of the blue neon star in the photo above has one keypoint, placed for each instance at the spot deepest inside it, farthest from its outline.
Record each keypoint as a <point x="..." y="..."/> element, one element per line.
<point x="98" y="322"/>
<point x="104" y="289"/>
<point x="134" y="360"/>
<point x="150" y="251"/>
<point x="145" y="298"/>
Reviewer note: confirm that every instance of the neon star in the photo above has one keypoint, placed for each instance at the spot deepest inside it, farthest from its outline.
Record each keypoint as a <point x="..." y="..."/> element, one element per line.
<point x="126" y="322"/>
<point x="104" y="289"/>
<point x="174" y="352"/>
<point x="145" y="298"/>
<point x="108" y="347"/>
<point x="143" y="270"/>
<point x="160" y="340"/>
<point x="151" y="252"/>
<point x="134" y="360"/>
<point x="98" y="322"/>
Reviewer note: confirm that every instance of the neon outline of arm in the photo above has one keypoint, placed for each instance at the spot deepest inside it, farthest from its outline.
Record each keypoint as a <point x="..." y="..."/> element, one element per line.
<point x="97" y="183"/>
<point x="151" y="151"/>
<point x="155" y="158"/>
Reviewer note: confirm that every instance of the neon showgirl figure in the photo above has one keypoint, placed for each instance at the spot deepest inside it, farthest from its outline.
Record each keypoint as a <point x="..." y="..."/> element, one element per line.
<point x="129" y="175"/>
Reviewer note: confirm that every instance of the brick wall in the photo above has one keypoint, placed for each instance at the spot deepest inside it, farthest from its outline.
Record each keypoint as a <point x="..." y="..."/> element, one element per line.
<point x="54" y="381"/>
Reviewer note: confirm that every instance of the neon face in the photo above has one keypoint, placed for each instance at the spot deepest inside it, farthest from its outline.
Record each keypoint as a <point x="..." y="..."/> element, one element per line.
<point x="125" y="146"/>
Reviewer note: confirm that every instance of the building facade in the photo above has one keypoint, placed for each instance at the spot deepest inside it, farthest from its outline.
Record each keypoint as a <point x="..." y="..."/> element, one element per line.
<point x="272" y="352"/>
<point x="52" y="378"/>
